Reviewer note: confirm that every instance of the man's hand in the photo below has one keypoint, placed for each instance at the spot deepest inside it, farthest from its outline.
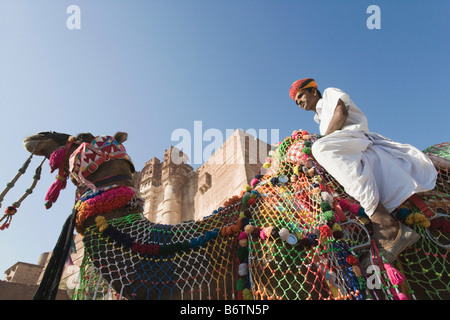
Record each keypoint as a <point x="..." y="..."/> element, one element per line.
<point x="339" y="117"/>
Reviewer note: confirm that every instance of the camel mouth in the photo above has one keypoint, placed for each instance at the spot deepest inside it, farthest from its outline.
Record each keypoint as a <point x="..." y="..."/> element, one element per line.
<point x="44" y="143"/>
<point x="30" y="143"/>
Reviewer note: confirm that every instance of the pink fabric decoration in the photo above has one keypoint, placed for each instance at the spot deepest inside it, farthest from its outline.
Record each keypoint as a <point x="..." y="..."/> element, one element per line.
<point x="56" y="162"/>
<point x="56" y="159"/>
<point x="53" y="193"/>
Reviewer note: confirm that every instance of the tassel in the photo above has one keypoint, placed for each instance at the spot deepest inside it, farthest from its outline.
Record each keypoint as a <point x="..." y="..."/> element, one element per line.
<point x="57" y="159"/>
<point x="53" y="193"/>
<point x="9" y="212"/>
<point x="5" y="225"/>
<point x="401" y="296"/>
<point x="397" y="295"/>
<point x="394" y="275"/>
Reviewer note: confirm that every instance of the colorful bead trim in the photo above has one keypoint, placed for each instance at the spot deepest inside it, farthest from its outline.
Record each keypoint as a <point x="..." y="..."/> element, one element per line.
<point x="151" y="249"/>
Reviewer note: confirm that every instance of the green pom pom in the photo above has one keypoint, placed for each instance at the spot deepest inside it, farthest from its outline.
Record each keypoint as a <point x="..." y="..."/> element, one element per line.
<point x="245" y="198"/>
<point x="362" y="283"/>
<point x="240" y="284"/>
<point x="242" y="253"/>
<point x="329" y="215"/>
<point x="325" y="206"/>
<point x="306" y="150"/>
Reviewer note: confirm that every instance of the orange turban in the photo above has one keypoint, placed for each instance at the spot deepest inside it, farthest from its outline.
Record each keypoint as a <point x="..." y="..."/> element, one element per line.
<point x="300" y="85"/>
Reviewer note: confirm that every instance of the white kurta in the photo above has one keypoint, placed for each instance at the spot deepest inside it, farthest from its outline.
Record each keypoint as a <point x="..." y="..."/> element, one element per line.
<point x="370" y="167"/>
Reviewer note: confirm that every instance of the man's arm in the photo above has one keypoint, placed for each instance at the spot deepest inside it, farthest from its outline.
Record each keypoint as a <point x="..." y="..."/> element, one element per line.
<point x="339" y="117"/>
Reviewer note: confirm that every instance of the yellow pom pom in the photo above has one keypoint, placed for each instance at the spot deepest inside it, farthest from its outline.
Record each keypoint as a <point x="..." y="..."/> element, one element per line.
<point x="247" y="294"/>
<point x="101" y="223"/>
<point x="419" y="219"/>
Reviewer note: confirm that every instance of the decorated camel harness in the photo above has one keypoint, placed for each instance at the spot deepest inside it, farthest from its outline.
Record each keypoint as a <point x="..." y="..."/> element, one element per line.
<point x="292" y="233"/>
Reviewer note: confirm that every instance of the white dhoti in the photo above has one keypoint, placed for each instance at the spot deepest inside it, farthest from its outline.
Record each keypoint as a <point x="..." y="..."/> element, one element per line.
<point x="374" y="169"/>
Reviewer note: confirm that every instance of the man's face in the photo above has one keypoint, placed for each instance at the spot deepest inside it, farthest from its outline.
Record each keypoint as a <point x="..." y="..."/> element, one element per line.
<point x="306" y="99"/>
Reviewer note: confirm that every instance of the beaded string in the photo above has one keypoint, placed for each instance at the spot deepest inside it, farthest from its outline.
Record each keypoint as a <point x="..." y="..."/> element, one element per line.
<point x="11" y="210"/>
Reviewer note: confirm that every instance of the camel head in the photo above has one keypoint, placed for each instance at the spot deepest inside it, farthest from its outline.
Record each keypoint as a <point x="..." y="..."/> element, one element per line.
<point x="45" y="143"/>
<point x="85" y="158"/>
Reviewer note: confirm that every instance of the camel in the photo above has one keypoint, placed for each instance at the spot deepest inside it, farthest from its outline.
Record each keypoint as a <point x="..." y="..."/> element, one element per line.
<point x="276" y="240"/>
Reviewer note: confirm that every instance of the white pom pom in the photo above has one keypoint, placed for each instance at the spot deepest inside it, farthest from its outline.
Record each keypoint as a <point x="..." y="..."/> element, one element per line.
<point x="327" y="197"/>
<point x="243" y="269"/>
<point x="284" y="234"/>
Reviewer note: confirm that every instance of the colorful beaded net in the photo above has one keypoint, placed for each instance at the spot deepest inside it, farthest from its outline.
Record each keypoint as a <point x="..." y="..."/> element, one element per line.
<point x="292" y="233"/>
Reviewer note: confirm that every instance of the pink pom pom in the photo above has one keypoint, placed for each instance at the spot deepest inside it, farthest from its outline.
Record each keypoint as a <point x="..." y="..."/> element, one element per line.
<point x="354" y="208"/>
<point x="57" y="159"/>
<point x="242" y="235"/>
<point x="254" y="182"/>
<point x="344" y="204"/>
<point x="262" y="234"/>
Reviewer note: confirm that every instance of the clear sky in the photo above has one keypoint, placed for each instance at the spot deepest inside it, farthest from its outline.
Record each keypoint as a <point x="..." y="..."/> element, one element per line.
<point x="152" y="67"/>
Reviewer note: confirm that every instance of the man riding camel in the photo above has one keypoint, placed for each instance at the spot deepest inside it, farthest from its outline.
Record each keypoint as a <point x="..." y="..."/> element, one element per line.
<point x="376" y="171"/>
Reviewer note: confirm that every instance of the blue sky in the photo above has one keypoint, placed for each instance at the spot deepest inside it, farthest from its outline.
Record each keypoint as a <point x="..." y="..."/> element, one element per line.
<point x="151" y="67"/>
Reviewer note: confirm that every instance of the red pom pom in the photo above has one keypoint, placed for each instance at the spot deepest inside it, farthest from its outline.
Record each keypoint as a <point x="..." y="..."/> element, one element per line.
<point x="351" y="260"/>
<point x="11" y="210"/>
<point x="251" y="201"/>
<point x="325" y="231"/>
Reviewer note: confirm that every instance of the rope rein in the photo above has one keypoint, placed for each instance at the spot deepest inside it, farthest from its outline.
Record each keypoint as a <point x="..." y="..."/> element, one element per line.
<point x="11" y="210"/>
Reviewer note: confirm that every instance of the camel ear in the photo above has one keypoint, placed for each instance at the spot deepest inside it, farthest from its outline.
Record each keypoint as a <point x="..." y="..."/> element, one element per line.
<point x="121" y="137"/>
